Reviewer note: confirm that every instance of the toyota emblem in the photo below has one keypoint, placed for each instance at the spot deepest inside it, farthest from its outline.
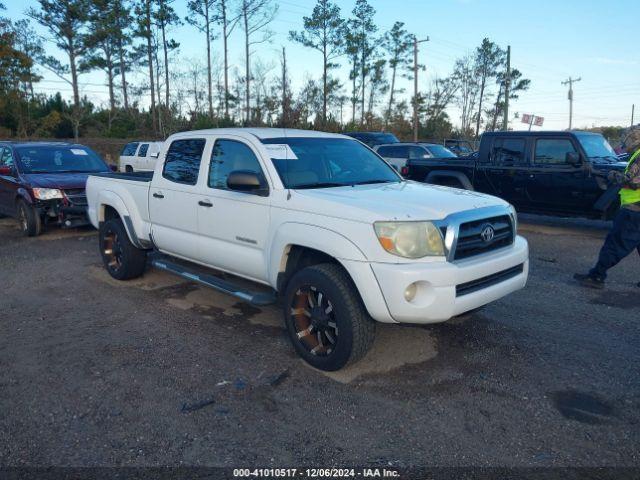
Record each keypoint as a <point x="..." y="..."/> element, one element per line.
<point x="487" y="233"/>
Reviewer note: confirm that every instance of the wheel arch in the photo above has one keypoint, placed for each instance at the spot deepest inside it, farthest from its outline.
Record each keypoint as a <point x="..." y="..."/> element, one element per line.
<point x="451" y="174"/>
<point x="297" y="246"/>
<point x="112" y="206"/>
<point x="298" y="241"/>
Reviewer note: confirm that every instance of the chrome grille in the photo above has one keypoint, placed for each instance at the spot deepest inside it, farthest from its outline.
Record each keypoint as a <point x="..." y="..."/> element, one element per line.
<point x="473" y="238"/>
<point x="77" y="197"/>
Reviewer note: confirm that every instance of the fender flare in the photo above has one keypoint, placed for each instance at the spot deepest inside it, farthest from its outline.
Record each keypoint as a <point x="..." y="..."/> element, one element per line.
<point x="461" y="177"/>
<point x="107" y="198"/>
<point x="311" y="236"/>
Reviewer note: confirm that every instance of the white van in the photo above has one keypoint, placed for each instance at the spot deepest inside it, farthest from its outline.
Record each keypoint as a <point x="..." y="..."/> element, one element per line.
<point x="139" y="156"/>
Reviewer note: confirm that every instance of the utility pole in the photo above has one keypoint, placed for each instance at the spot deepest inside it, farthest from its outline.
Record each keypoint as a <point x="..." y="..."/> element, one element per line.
<point x="570" y="82"/>
<point x="507" y="86"/>
<point x="415" y="85"/>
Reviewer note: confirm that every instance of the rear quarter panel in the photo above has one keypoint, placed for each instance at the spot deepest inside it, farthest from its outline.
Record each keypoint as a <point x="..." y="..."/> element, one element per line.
<point x="129" y="198"/>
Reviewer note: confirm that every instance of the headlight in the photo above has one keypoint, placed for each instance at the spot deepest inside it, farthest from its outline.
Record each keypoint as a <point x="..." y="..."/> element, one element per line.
<point x="514" y="216"/>
<point x="410" y="239"/>
<point x="47" y="193"/>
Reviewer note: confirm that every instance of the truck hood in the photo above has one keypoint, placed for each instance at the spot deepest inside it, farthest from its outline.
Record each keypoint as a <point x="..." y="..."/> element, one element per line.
<point x="393" y="201"/>
<point x="56" y="180"/>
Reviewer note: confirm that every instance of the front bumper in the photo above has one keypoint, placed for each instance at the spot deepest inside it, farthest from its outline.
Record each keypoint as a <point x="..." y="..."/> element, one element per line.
<point x="66" y="216"/>
<point x="447" y="289"/>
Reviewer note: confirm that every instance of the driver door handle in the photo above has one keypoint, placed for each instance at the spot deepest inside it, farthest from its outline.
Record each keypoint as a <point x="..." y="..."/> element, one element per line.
<point x="158" y="195"/>
<point x="204" y="203"/>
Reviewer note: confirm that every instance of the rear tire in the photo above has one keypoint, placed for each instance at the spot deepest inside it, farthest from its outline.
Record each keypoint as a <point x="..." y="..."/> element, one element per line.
<point x="28" y="219"/>
<point x="121" y="258"/>
<point x="128" y="169"/>
<point x="325" y="317"/>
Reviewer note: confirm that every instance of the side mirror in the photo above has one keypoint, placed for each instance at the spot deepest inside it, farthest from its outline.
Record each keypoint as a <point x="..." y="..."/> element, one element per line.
<point x="246" y="181"/>
<point x="6" y="170"/>
<point x="113" y="167"/>
<point x="573" y="158"/>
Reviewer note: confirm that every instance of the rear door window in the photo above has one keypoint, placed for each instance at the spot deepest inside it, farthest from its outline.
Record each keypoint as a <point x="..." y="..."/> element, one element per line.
<point x="182" y="162"/>
<point x="143" y="150"/>
<point x="129" y="149"/>
<point x="508" y="152"/>
<point x="418" y="153"/>
<point x="553" y="151"/>
<point x="394" y="151"/>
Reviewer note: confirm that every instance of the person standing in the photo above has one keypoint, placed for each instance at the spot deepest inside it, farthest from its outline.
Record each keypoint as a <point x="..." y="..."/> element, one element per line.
<point x="624" y="236"/>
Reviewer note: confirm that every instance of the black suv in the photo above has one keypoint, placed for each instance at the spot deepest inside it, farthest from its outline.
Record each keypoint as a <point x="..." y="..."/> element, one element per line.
<point x="558" y="173"/>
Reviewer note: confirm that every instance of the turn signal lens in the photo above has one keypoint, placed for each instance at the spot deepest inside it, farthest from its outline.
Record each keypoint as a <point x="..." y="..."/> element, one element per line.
<point x="410" y="239"/>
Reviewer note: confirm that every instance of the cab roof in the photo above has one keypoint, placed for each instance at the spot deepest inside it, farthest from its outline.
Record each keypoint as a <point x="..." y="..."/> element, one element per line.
<point x="13" y="143"/>
<point x="263" y="133"/>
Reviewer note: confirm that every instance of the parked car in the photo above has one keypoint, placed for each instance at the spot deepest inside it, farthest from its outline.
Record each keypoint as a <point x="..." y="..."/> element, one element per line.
<point x="558" y="173"/>
<point x="373" y="138"/>
<point x="462" y="148"/>
<point x="44" y="183"/>
<point x="317" y="220"/>
<point x="139" y="156"/>
<point x="397" y="154"/>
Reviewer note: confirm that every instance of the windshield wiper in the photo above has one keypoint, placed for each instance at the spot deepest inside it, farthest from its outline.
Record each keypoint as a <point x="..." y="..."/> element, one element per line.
<point x="319" y="185"/>
<point x="606" y="157"/>
<point x="371" y="182"/>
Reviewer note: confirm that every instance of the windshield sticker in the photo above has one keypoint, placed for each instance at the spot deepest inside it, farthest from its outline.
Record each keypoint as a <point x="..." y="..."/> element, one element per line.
<point x="280" y="151"/>
<point x="77" y="151"/>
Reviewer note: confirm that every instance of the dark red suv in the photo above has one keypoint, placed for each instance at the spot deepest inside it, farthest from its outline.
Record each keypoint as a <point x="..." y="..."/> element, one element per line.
<point x="44" y="183"/>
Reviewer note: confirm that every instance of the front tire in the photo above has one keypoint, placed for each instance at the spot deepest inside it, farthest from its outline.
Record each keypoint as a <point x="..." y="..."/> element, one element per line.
<point x="28" y="219"/>
<point x="121" y="258"/>
<point x="325" y="317"/>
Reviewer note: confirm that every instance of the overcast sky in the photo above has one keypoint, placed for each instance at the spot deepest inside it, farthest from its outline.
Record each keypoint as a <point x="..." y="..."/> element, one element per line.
<point x="550" y="40"/>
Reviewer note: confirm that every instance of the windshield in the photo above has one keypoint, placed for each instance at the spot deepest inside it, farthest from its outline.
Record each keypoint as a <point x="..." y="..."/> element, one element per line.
<point x="439" y="151"/>
<point x="59" y="159"/>
<point x="596" y="146"/>
<point x="329" y="162"/>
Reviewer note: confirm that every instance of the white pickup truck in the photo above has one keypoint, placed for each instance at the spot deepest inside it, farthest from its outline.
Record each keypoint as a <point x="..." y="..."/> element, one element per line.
<point x="313" y="220"/>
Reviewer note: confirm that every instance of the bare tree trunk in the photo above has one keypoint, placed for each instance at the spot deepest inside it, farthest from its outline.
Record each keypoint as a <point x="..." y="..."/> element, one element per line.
<point x="496" y="110"/>
<point x="225" y="38"/>
<point x="76" y="92"/>
<point x="353" y="98"/>
<point x="166" y="66"/>
<point x="480" y="106"/>
<point x="112" y="97"/>
<point x="150" y="60"/>
<point x="245" y="14"/>
<point x="206" y="17"/>
<point x="363" y="68"/>
<point x="324" y="79"/>
<point x="393" y="86"/>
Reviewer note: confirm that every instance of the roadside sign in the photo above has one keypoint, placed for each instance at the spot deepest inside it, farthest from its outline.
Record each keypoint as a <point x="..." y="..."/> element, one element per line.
<point x="531" y="119"/>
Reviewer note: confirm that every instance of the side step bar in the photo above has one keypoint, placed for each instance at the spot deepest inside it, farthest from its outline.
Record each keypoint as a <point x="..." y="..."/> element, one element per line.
<point x="254" y="298"/>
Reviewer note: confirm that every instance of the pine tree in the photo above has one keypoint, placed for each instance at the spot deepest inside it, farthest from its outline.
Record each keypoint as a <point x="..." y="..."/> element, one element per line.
<point x="397" y="43"/>
<point x="324" y="31"/>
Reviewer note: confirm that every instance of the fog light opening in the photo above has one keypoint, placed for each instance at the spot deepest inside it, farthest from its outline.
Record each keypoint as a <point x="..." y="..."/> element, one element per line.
<point x="410" y="292"/>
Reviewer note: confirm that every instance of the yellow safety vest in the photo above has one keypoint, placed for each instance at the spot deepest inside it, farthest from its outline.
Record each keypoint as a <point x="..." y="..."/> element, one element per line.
<point x="627" y="195"/>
